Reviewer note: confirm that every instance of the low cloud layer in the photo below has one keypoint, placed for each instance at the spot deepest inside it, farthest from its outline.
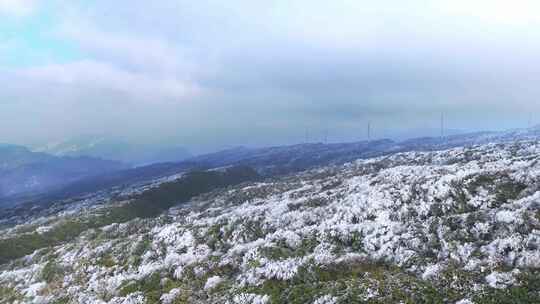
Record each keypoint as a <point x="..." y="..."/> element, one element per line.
<point x="213" y="74"/>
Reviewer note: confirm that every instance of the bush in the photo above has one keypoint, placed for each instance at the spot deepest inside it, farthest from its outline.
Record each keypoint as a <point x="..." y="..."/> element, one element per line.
<point x="51" y="272"/>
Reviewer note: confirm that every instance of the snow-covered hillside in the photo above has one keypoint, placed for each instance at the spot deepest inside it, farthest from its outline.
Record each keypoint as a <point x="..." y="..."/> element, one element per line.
<point x="455" y="226"/>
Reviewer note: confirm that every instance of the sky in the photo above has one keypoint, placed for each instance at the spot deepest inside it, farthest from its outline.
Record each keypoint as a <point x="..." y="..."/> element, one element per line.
<point x="212" y="74"/>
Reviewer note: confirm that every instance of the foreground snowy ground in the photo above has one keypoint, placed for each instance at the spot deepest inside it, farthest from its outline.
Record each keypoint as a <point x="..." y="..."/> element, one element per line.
<point x="457" y="226"/>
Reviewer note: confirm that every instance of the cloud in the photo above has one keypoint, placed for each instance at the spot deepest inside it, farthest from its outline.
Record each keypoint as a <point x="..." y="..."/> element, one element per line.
<point x="495" y="12"/>
<point x="18" y="8"/>
<point x="149" y="53"/>
<point x="142" y="67"/>
<point x="235" y="71"/>
<point x="88" y="74"/>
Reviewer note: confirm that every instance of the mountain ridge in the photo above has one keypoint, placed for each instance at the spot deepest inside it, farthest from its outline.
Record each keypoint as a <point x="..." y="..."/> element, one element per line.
<point x="23" y="171"/>
<point x="115" y="149"/>
<point x="277" y="160"/>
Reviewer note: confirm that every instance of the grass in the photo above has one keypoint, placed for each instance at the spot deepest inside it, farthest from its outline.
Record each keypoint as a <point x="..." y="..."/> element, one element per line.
<point x="350" y="283"/>
<point x="509" y="190"/>
<point x="154" y="286"/>
<point x="51" y="272"/>
<point x="9" y="295"/>
<point x="150" y="286"/>
<point x="106" y="261"/>
<point x="392" y="285"/>
<point x="527" y="293"/>
<point x="63" y="300"/>
<point x="139" y="250"/>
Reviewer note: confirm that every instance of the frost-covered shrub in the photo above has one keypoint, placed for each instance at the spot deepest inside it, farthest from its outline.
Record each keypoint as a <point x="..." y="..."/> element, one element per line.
<point x="421" y="227"/>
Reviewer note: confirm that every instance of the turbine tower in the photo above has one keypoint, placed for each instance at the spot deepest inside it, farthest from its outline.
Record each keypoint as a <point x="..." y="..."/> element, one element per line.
<point x="442" y="125"/>
<point x="369" y="131"/>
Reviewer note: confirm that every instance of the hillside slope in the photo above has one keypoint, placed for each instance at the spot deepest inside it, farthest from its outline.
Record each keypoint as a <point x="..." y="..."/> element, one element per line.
<point x="275" y="161"/>
<point x="455" y="226"/>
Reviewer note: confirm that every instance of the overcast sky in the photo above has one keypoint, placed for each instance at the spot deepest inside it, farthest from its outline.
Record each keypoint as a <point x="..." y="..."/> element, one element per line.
<point x="210" y="74"/>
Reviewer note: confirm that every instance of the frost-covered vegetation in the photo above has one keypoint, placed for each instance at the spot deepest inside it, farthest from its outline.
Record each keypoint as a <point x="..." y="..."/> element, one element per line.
<point x="455" y="226"/>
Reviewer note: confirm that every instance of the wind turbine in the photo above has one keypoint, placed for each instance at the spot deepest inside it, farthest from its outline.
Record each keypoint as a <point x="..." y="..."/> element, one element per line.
<point x="369" y="130"/>
<point x="442" y="125"/>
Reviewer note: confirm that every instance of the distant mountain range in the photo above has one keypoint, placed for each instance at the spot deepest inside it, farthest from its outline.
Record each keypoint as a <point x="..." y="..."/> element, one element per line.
<point x="116" y="149"/>
<point x="271" y="161"/>
<point x="23" y="171"/>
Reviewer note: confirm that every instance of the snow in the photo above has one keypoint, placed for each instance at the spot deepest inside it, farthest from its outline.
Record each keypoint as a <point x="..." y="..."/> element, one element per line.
<point x="431" y="271"/>
<point x="500" y="280"/>
<point x="327" y="299"/>
<point x="248" y="298"/>
<point x="506" y="216"/>
<point x="417" y="211"/>
<point x="135" y="298"/>
<point x="43" y="229"/>
<point x="169" y="297"/>
<point x="212" y="282"/>
<point x="34" y="289"/>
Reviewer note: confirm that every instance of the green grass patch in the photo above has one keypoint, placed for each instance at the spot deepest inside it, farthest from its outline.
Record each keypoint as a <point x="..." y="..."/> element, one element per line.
<point x="9" y="295"/>
<point x="52" y="272"/>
